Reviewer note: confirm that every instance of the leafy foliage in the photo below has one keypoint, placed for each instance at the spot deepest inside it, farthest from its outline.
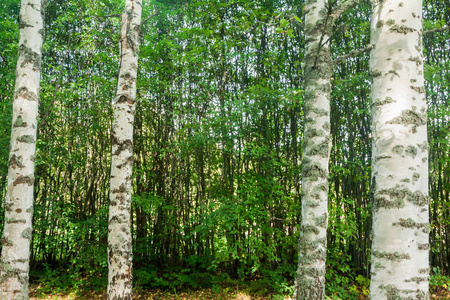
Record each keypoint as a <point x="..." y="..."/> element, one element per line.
<point x="439" y="283"/>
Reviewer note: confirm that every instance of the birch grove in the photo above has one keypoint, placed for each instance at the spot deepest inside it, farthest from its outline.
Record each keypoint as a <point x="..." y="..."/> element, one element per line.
<point x="294" y="148"/>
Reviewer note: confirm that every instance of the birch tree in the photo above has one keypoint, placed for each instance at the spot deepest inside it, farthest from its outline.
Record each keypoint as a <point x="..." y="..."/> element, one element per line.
<point x="400" y="265"/>
<point x="14" y="265"/>
<point x="119" y="229"/>
<point x="310" y="279"/>
<point x="320" y="18"/>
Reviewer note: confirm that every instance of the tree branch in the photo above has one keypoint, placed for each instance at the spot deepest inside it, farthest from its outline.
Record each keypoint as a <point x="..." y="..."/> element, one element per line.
<point x="155" y="14"/>
<point x="342" y="8"/>
<point x="353" y="53"/>
<point x="113" y="16"/>
<point x="430" y="31"/>
<point x="325" y="29"/>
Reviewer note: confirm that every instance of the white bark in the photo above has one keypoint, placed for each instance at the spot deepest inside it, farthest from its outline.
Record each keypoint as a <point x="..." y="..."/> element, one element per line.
<point x="400" y="267"/>
<point x="119" y="229"/>
<point x="16" y="239"/>
<point x="310" y="279"/>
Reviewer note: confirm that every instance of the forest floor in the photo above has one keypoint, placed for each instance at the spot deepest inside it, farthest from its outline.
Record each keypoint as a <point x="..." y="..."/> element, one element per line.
<point x="206" y="294"/>
<point x="235" y="293"/>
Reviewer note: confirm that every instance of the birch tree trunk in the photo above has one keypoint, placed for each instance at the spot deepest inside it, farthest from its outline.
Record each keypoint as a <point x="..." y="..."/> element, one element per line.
<point x="400" y="266"/>
<point x="310" y="279"/>
<point x="14" y="265"/>
<point x="119" y="230"/>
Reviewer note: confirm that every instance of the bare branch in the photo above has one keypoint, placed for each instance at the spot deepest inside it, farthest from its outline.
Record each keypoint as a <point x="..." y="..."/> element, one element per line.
<point x="113" y="16"/>
<point x="437" y="30"/>
<point x="343" y="7"/>
<point x="144" y="21"/>
<point x="353" y="53"/>
<point x="321" y="44"/>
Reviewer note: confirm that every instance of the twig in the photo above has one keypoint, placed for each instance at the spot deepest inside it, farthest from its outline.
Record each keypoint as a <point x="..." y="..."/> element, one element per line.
<point x="155" y="14"/>
<point x="430" y="31"/>
<point x="353" y="53"/>
<point x="342" y="8"/>
<point x="321" y="44"/>
<point x="332" y="16"/>
<point x="113" y="16"/>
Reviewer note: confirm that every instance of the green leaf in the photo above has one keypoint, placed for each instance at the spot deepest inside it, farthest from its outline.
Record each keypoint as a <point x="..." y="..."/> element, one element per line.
<point x="290" y="32"/>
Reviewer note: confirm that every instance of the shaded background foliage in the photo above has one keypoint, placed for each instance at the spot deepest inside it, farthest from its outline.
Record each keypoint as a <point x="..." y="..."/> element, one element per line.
<point x="218" y="135"/>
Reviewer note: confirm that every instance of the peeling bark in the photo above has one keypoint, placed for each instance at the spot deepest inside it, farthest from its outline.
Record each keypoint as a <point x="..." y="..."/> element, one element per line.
<point x="400" y="265"/>
<point x="14" y="264"/>
<point x="119" y="227"/>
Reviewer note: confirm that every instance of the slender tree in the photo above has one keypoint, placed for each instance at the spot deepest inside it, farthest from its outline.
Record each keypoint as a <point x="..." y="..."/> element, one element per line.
<point x="119" y="228"/>
<point x="400" y="266"/>
<point x="310" y="280"/>
<point x="320" y="17"/>
<point x="15" y="255"/>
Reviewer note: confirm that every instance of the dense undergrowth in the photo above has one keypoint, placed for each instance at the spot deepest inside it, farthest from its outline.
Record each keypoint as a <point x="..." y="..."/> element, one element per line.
<point x="342" y="282"/>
